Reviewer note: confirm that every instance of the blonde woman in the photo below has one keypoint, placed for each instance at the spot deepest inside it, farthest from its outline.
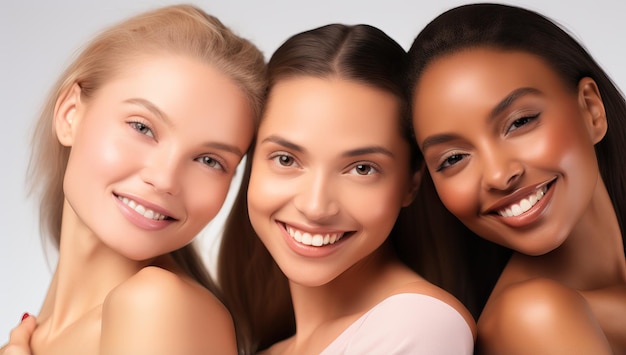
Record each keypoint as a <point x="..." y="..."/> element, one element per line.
<point x="133" y="155"/>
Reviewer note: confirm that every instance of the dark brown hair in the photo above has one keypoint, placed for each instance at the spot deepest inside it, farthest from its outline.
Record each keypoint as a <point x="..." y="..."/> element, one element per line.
<point x="513" y="28"/>
<point x="255" y="289"/>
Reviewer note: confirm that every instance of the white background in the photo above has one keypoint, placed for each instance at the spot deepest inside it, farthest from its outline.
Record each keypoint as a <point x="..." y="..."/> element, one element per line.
<point x="38" y="39"/>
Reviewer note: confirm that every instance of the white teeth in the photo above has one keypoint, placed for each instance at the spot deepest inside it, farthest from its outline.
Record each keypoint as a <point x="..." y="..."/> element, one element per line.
<point x="297" y="236"/>
<point x="316" y="240"/>
<point x="148" y="213"/>
<point x="524" y="205"/>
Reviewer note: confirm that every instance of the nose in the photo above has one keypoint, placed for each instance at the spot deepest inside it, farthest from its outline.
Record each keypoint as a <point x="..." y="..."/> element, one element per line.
<point x="316" y="199"/>
<point x="501" y="171"/>
<point x="162" y="172"/>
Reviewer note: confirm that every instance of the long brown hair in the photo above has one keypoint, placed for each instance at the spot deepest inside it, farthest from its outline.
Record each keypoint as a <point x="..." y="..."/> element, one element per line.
<point x="513" y="28"/>
<point x="255" y="289"/>
<point x="176" y="29"/>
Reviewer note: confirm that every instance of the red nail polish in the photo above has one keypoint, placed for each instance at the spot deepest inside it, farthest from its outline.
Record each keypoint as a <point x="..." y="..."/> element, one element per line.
<point x="25" y="315"/>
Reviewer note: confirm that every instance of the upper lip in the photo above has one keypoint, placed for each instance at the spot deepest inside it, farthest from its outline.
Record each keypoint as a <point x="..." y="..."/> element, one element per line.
<point x="149" y="205"/>
<point x="515" y="197"/>
<point x="312" y="230"/>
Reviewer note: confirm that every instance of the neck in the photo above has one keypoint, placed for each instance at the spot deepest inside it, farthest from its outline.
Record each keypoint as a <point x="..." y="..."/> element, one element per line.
<point x="86" y="272"/>
<point x="592" y="256"/>
<point x="350" y="294"/>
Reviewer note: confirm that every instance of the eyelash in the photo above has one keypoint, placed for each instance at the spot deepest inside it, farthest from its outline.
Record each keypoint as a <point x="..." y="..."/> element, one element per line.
<point x="457" y="157"/>
<point x="446" y="162"/>
<point x="278" y="159"/>
<point x="525" y="119"/>
<point x="140" y="126"/>
<point x="211" y="164"/>
<point x="372" y="168"/>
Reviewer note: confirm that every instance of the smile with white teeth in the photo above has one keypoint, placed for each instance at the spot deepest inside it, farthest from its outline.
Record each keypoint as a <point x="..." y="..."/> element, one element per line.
<point x="147" y="213"/>
<point x="313" y="239"/>
<point x="524" y="205"/>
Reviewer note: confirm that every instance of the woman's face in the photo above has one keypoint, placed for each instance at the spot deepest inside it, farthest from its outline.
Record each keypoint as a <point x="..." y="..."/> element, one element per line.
<point x="329" y="175"/>
<point x="153" y="153"/>
<point x="510" y="148"/>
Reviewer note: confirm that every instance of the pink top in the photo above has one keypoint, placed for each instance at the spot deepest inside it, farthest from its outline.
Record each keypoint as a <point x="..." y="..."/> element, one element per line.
<point x="406" y="323"/>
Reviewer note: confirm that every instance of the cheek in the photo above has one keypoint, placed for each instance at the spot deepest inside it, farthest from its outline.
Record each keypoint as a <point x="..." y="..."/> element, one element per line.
<point x="104" y="146"/>
<point x="266" y="193"/>
<point x="205" y="195"/>
<point x="97" y="156"/>
<point x="565" y="146"/>
<point x="458" y="194"/>
<point x="377" y="208"/>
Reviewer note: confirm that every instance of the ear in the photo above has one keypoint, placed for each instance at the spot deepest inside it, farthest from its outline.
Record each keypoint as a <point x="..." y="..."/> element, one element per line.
<point x="592" y="106"/>
<point x="66" y="115"/>
<point x="413" y="188"/>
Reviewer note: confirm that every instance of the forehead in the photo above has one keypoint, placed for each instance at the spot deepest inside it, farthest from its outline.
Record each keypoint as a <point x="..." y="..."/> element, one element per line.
<point x="480" y="78"/>
<point x="323" y="107"/>
<point x="487" y="69"/>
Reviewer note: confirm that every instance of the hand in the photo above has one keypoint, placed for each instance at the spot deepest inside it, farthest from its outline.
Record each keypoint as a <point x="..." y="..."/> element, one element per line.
<point x="19" y="342"/>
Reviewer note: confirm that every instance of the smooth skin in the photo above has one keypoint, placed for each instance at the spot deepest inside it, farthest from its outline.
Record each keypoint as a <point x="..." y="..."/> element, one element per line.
<point x="511" y="152"/>
<point x="19" y="340"/>
<point x="330" y="163"/>
<point x="167" y="133"/>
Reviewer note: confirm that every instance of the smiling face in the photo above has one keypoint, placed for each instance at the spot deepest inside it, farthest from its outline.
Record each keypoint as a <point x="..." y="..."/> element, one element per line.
<point x="510" y="148"/>
<point x="329" y="175"/>
<point x="152" y="153"/>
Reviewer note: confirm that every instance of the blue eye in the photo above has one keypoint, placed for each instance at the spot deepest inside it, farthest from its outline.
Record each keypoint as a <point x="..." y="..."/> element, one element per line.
<point x="142" y="128"/>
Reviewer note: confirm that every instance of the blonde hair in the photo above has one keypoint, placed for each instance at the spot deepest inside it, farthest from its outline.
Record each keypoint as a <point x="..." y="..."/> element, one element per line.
<point x="180" y="29"/>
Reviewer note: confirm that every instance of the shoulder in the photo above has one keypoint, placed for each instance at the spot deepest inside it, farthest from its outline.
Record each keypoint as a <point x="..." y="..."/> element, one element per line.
<point x="446" y="301"/>
<point x="540" y="316"/>
<point x="414" y="323"/>
<point x="158" y="312"/>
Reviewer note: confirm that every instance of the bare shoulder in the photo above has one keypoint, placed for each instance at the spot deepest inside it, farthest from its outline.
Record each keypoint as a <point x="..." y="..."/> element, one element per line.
<point x="424" y="287"/>
<point x="159" y="312"/>
<point x="539" y="316"/>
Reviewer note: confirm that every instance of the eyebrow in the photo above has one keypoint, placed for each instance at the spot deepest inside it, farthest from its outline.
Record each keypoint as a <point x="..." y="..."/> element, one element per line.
<point x="225" y="147"/>
<point x="163" y="117"/>
<point x="500" y="107"/>
<point x="437" y="139"/>
<point x="368" y="150"/>
<point x="510" y="99"/>
<point x="285" y="143"/>
<point x="351" y="153"/>
<point x="152" y="108"/>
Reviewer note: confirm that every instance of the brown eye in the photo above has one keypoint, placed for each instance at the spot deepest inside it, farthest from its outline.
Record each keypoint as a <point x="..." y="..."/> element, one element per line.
<point x="285" y="160"/>
<point x="521" y="122"/>
<point x="363" y="169"/>
<point x="450" y="161"/>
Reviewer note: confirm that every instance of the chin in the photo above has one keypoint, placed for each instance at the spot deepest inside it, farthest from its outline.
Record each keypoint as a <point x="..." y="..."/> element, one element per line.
<point x="307" y="280"/>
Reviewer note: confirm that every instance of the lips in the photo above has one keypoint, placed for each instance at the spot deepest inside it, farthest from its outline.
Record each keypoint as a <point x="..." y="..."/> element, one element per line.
<point x="314" y="239"/>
